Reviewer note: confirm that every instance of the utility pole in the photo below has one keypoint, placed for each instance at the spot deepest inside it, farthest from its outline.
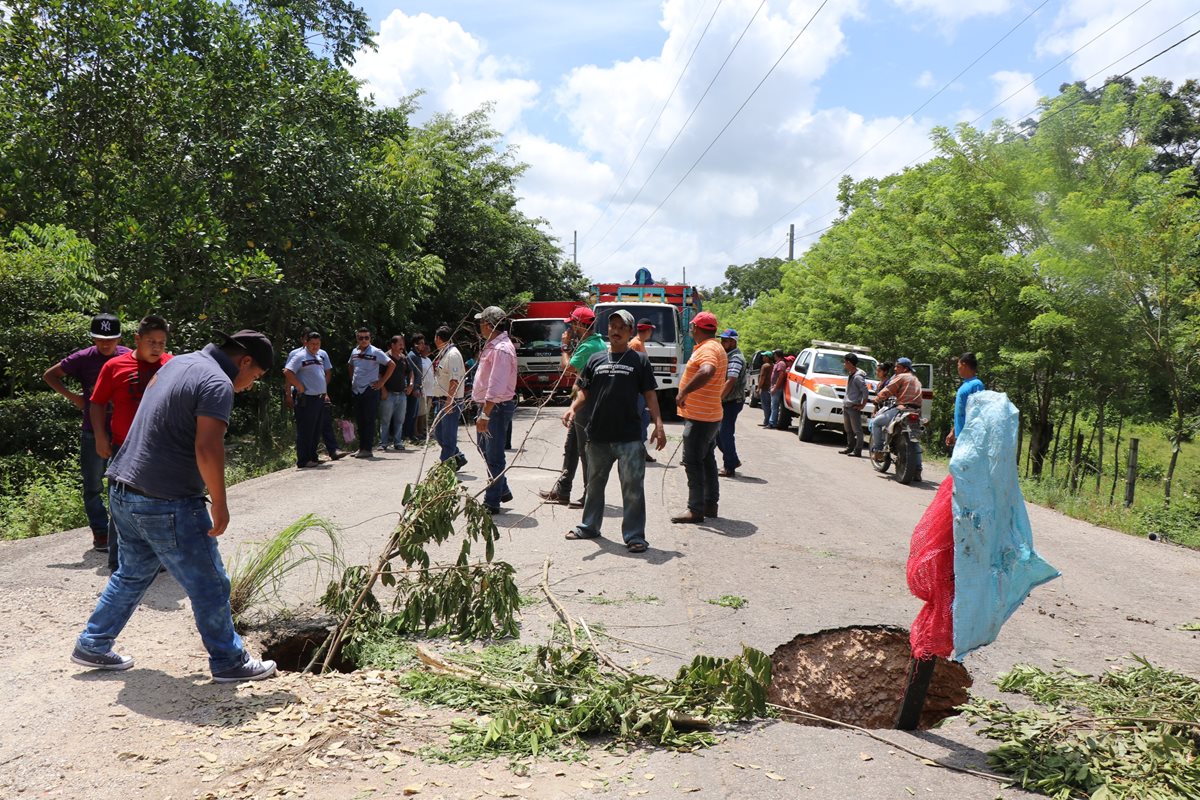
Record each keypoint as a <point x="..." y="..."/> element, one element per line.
<point x="791" y="241"/>
<point x="575" y="247"/>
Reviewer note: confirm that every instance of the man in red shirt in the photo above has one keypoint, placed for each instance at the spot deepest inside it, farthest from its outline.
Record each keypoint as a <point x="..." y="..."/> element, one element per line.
<point x="122" y="382"/>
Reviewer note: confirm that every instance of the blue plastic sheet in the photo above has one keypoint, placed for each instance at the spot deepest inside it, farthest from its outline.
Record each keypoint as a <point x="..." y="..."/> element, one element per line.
<point x="995" y="565"/>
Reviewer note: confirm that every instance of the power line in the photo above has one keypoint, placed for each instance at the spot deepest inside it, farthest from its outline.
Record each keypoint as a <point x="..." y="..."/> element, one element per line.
<point x="1107" y="83"/>
<point x="1126" y="73"/>
<point x="657" y="119"/>
<point x="683" y="127"/>
<point x="720" y="133"/>
<point x="1046" y="72"/>
<point x="899" y="124"/>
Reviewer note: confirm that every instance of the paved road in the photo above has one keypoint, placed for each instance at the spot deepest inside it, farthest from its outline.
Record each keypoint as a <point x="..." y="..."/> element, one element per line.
<point x="810" y="538"/>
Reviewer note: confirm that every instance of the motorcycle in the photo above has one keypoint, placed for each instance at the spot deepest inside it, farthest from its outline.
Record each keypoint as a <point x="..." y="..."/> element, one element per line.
<point x="902" y="444"/>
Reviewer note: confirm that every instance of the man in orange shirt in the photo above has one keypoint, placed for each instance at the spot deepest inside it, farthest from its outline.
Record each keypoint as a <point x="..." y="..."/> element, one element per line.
<point x="699" y="403"/>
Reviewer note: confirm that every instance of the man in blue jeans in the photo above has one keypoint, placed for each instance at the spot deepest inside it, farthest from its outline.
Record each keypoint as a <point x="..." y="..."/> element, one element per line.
<point x="609" y="385"/>
<point x="174" y="451"/>
<point x="733" y="397"/>
<point x="84" y="366"/>
<point x="393" y="405"/>
<point x="449" y="388"/>
<point x="494" y="392"/>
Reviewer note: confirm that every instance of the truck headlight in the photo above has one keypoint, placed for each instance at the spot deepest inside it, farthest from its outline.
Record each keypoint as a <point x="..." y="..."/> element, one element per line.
<point x="827" y="391"/>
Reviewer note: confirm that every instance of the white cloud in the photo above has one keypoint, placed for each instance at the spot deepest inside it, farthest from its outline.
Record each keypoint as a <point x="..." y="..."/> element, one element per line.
<point x="1016" y="94"/>
<point x="783" y="148"/>
<point x="953" y="11"/>
<point x="925" y="80"/>
<point x="1079" y="21"/>
<point x="452" y="66"/>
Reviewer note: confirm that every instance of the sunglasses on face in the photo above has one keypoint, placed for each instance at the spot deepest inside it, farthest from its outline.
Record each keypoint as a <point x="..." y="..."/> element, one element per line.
<point x="364" y="338"/>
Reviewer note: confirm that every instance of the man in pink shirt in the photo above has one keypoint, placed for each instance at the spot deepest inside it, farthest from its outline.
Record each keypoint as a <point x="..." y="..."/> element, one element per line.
<point x="494" y="391"/>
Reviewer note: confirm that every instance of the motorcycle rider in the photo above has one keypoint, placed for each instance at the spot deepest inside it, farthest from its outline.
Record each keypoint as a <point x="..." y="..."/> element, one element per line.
<point x="905" y="389"/>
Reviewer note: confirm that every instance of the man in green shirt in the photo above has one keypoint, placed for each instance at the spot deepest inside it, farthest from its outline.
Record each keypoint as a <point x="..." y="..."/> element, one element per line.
<point x="582" y="322"/>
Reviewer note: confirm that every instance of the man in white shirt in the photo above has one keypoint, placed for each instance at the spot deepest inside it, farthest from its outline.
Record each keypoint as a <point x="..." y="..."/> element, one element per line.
<point x="449" y="386"/>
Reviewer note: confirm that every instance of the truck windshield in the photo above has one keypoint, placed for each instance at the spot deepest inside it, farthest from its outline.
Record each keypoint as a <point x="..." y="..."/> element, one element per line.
<point x="537" y="334"/>
<point x="662" y="316"/>
<point x="834" y="364"/>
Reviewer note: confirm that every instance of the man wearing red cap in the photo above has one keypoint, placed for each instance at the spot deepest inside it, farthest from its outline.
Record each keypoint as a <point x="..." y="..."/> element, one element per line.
<point x="699" y="403"/>
<point x="573" y="360"/>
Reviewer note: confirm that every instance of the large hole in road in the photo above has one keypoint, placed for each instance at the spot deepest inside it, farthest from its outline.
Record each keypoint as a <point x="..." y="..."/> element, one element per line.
<point x="291" y="645"/>
<point x="858" y="675"/>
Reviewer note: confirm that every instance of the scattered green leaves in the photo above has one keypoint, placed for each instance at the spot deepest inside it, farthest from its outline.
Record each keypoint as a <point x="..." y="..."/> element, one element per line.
<point x="729" y="601"/>
<point x="1131" y="733"/>
<point x="545" y="700"/>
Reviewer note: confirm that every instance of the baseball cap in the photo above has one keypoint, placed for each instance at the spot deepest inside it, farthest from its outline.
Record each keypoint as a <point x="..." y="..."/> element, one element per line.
<point x="729" y="333"/>
<point x="624" y="316"/>
<point x="492" y="315"/>
<point x="789" y="359"/>
<point x="904" y="362"/>
<point x="705" y="320"/>
<point x="106" y="326"/>
<point x="256" y="344"/>
<point x="644" y="323"/>
<point x="582" y="314"/>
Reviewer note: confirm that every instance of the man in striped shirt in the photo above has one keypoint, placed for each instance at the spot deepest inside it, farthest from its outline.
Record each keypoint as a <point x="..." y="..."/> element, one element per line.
<point x="699" y="403"/>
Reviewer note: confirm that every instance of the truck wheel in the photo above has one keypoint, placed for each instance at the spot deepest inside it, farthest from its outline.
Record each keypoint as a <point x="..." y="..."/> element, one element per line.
<point x="907" y="461"/>
<point x="806" y="428"/>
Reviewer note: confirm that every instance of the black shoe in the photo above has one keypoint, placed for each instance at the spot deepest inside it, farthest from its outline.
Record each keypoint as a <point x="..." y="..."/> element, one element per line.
<point x="710" y="510"/>
<point x="845" y="451"/>
<point x="461" y="460"/>
<point x="100" y="542"/>
<point x="307" y="464"/>
<point x="554" y="497"/>
<point x="364" y="454"/>
<point x="335" y="456"/>
<point x="506" y="497"/>
<point x="576" y="503"/>
<point x="651" y="459"/>
<point x="493" y="510"/>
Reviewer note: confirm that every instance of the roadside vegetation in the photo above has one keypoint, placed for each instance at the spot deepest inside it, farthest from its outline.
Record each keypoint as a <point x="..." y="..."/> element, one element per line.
<point x="1064" y="251"/>
<point x="290" y="204"/>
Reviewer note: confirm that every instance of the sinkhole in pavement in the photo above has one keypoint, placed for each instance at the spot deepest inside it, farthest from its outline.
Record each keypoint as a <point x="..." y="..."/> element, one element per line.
<point x="291" y="645"/>
<point x="858" y="675"/>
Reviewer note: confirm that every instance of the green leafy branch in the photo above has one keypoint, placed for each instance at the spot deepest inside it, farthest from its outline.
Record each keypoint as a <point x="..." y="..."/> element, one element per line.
<point x="1131" y="733"/>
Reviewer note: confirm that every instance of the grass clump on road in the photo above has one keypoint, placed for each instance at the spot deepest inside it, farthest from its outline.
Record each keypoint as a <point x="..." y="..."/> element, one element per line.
<point x="729" y="601"/>
<point x="1130" y="733"/>
<point x="256" y="578"/>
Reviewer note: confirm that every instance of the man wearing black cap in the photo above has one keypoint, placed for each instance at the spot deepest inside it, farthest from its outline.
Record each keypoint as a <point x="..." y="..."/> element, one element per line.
<point x="174" y="451"/>
<point x="84" y="366"/>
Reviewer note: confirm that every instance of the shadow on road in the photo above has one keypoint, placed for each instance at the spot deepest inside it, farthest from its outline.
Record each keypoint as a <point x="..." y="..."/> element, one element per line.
<point x="607" y="547"/>
<point x="730" y="527"/>
<point x="186" y="698"/>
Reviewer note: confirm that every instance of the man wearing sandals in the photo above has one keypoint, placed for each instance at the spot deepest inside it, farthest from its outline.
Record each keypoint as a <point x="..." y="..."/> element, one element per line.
<point x="609" y="386"/>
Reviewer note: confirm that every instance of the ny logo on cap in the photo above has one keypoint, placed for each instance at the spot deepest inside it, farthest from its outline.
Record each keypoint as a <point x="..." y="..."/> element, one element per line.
<point x="105" y="325"/>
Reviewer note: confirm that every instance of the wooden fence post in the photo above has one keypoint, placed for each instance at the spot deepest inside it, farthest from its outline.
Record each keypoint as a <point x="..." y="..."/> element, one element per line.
<point x="1131" y="472"/>
<point x="1076" y="462"/>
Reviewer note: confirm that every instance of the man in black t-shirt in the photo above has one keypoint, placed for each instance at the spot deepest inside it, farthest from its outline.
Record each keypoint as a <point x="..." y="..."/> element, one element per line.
<point x="609" y="387"/>
<point x="393" y="401"/>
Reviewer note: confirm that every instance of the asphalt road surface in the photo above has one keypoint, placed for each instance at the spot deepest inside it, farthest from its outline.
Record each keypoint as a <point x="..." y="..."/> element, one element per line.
<point x="810" y="538"/>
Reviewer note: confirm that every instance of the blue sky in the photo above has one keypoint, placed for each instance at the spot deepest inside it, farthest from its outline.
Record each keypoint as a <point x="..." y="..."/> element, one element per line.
<point x="576" y="88"/>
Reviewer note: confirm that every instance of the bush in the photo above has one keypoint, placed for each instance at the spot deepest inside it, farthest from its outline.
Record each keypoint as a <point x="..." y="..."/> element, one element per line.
<point x="1178" y="522"/>
<point x="36" y="498"/>
<point x="42" y="424"/>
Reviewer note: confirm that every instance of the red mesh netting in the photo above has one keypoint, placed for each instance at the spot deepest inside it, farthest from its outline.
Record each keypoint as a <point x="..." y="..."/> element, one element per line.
<point x="931" y="576"/>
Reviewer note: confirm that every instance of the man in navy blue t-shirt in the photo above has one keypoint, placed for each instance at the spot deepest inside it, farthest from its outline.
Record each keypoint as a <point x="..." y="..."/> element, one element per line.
<point x="174" y="451"/>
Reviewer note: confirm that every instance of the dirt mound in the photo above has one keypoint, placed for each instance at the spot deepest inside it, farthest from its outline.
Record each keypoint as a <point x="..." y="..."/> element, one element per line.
<point x="858" y="675"/>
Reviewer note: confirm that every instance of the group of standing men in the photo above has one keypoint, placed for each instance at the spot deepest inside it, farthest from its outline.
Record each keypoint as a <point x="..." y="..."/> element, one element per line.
<point x="615" y="402"/>
<point x="397" y="392"/>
